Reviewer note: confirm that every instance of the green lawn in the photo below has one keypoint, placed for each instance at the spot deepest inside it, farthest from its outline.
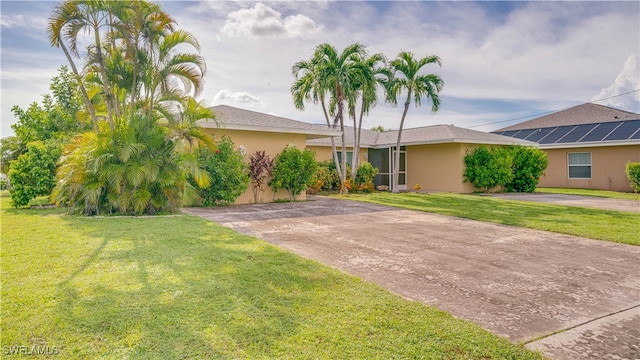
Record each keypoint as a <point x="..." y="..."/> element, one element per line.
<point x="616" y="226"/>
<point x="182" y="287"/>
<point x="592" y="192"/>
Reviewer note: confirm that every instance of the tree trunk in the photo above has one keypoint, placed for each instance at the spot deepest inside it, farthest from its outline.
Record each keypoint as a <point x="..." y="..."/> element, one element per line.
<point x="334" y="151"/>
<point x="396" y="165"/>
<point x="105" y="81"/>
<point x="83" y="90"/>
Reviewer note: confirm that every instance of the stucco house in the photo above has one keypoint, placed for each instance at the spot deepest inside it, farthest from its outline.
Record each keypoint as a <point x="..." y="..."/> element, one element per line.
<point x="253" y="131"/>
<point x="587" y="145"/>
<point x="432" y="156"/>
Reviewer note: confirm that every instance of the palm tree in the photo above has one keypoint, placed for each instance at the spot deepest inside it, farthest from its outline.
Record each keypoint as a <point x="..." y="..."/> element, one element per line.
<point x="405" y="69"/>
<point x="337" y="75"/>
<point x="63" y="13"/>
<point x="373" y="72"/>
<point x="308" y="87"/>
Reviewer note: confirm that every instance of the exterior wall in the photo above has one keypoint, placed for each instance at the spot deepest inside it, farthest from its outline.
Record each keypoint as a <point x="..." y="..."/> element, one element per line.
<point x="323" y="153"/>
<point x="437" y="167"/>
<point x="607" y="168"/>
<point x="272" y="144"/>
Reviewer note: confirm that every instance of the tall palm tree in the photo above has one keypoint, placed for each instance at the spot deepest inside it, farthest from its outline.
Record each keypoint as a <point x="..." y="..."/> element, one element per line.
<point x="405" y="69"/>
<point x="308" y="87"/>
<point x="62" y="14"/>
<point x="373" y="72"/>
<point x="339" y="73"/>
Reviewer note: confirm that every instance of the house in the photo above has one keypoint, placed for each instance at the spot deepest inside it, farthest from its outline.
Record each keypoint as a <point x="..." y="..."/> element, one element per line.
<point x="587" y="145"/>
<point x="432" y="156"/>
<point x="254" y="131"/>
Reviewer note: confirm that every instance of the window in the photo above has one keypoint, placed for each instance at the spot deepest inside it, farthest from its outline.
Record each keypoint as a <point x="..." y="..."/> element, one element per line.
<point x="579" y="165"/>
<point x="349" y="157"/>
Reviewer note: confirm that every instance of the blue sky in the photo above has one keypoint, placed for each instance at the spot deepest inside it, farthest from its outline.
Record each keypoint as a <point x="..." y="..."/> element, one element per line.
<point x="500" y="60"/>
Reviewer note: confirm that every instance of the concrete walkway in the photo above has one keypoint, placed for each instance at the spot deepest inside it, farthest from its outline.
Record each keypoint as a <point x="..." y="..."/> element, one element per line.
<point x="574" y="200"/>
<point x="518" y="283"/>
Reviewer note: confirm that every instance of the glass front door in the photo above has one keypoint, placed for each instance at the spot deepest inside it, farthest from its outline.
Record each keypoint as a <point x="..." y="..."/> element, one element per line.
<point x="382" y="159"/>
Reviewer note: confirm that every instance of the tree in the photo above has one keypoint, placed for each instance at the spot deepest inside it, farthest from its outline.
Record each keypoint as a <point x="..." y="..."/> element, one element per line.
<point x="335" y="75"/>
<point x="406" y="77"/>
<point x="260" y="169"/>
<point x="528" y="165"/>
<point x="228" y="173"/>
<point x="32" y="174"/>
<point x="293" y="170"/>
<point x="487" y="168"/>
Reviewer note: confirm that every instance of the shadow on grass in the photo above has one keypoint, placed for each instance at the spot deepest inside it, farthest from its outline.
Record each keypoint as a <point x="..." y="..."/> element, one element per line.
<point x="163" y="288"/>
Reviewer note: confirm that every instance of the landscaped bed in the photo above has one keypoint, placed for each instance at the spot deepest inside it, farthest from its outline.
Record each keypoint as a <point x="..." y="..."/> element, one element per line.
<point x="615" y="226"/>
<point x="182" y="287"/>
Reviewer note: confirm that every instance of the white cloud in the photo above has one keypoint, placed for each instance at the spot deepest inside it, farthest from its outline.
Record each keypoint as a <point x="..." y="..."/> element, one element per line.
<point x="240" y="97"/>
<point x="627" y="80"/>
<point x="262" y="21"/>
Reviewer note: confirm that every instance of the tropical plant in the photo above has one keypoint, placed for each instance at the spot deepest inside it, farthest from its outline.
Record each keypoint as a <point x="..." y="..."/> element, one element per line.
<point x="364" y="177"/>
<point x="260" y="168"/>
<point x="528" y="165"/>
<point x="405" y="70"/>
<point x="487" y="168"/>
<point x="33" y="173"/>
<point x="632" y="169"/>
<point x="227" y="170"/>
<point x="293" y="171"/>
<point x="332" y="75"/>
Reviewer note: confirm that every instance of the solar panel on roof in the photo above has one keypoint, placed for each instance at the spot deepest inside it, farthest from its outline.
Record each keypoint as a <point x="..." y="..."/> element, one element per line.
<point x="509" y="133"/>
<point x="524" y="133"/>
<point x="577" y="133"/>
<point x="600" y="131"/>
<point x="624" y="131"/>
<point x="539" y="134"/>
<point x="636" y="135"/>
<point x="557" y="134"/>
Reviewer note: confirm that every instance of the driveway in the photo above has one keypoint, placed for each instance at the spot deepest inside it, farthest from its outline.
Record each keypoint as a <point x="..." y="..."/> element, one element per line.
<point x="518" y="283"/>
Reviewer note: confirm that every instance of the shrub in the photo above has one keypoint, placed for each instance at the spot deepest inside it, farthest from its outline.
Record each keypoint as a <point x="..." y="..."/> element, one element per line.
<point x="228" y="173"/>
<point x="328" y="175"/>
<point x="293" y="170"/>
<point x="487" y="168"/>
<point x="260" y="168"/>
<point x="33" y="173"/>
<point x="633" y="174"/>
<point x="528" y="165"/>
<point x="364" y="177"/>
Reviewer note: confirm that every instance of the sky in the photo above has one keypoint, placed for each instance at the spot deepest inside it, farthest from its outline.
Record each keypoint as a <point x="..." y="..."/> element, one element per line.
<point x="502" y="62"/>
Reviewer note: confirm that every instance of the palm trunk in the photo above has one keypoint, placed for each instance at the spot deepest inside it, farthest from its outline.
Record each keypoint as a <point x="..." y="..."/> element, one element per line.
<point x="334" y="151"/>
<point x="356" y="146"/>
<point x="83" y="90"/>
<point x="396" y="165"/>
<point x="354" y="160"/>
<point x="105" y="81"/>
<point x="340" y="117"/>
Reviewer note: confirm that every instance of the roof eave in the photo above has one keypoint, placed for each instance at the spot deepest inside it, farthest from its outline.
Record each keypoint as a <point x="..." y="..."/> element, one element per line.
<point x="590" y="144"/>
<point x="311" y="133"/>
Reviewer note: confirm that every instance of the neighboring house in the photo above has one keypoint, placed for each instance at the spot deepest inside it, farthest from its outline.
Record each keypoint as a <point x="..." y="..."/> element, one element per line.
<point x="587" y="145"/>
<point x="253" y="131"/>
<point x="432" y="156"/>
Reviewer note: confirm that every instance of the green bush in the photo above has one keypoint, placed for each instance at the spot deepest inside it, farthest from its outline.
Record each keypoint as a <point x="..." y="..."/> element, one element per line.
<point x="487" y="168"/>
<point x="528" y="165"/>
<point x="326" y="177"/>
<point x="364" y="177"/>
<point x="33" y="173"/>
<point x="514" y="168"/>
<point x="293" y="171"/>
<point x="633" y="173"/>
<point x="228" y="171"/>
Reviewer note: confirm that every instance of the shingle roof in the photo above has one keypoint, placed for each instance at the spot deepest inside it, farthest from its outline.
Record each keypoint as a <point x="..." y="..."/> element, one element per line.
<point x="436" y="134"/>
<point x="233" y="118"/>
<point x="582" y="114"/>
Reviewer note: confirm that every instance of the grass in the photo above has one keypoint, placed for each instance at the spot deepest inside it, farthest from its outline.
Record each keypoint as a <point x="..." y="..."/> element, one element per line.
<point x="592" y="192"/>
<point x="615" y="226"/>
<point x="182" y="287"/>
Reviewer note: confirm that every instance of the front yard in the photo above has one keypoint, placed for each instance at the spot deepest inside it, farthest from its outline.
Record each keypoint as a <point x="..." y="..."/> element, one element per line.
<point x="182" y="287"/>
<point x="615" y="226"/>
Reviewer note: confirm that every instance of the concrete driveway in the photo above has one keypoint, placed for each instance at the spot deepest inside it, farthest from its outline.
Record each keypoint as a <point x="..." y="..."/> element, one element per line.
<point x="574" y="200"/>
<point x="515" y="282"/>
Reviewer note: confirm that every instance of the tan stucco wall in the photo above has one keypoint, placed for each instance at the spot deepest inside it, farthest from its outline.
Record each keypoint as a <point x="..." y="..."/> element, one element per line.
<point x="607" y="168"/>
<point x="437" y="167"/>
<point x="323" y="153"/>
<point x="272" y="144"/>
